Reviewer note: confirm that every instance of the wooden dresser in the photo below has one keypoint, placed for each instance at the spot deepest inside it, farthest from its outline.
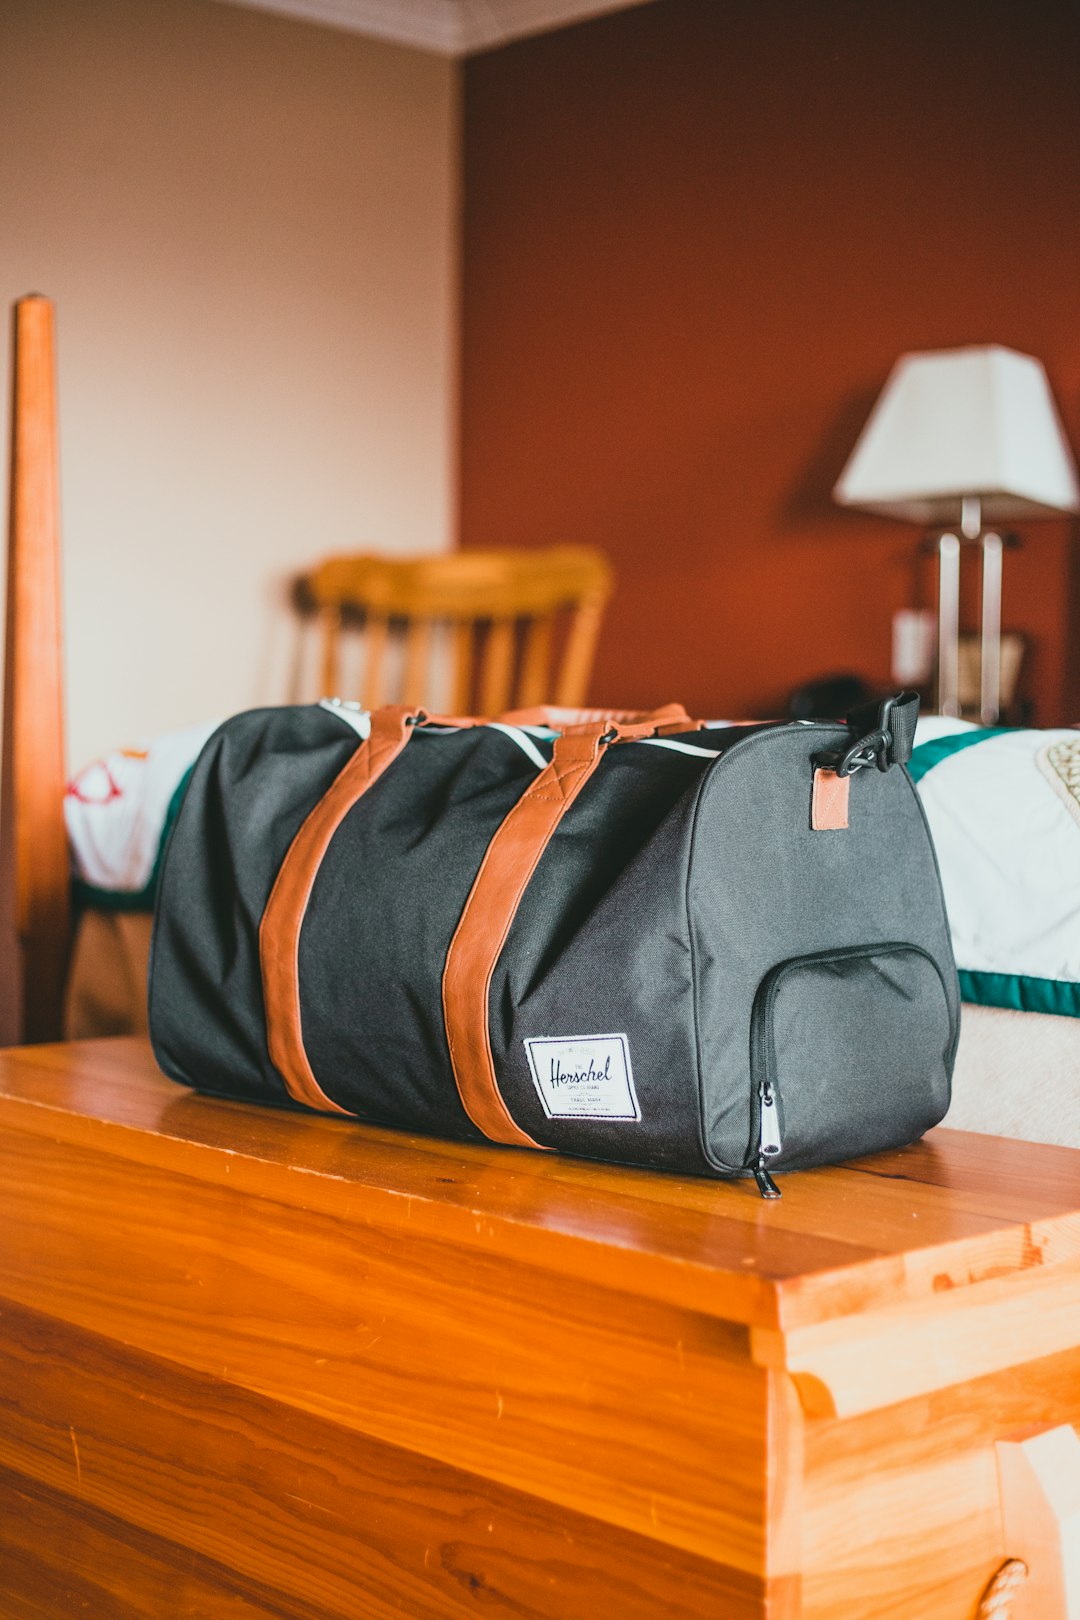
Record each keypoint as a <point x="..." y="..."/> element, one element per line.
<point x="255" y="1364"/>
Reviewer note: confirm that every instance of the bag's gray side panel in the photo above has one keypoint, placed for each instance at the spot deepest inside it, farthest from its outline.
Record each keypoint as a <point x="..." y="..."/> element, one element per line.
<point x="765" y="888"/>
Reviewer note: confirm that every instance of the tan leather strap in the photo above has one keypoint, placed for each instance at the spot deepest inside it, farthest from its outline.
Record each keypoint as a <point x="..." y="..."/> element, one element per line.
<point x="671" y="717"/>
<point x="279" y="931"/>
<point x="510" y="861"/>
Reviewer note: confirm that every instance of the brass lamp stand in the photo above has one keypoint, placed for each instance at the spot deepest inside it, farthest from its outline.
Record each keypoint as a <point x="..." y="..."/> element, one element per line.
<point x="991" y="546"/>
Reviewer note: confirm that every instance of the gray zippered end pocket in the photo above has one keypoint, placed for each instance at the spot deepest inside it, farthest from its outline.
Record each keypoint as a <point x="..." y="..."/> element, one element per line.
<point x="849" y="1054"/>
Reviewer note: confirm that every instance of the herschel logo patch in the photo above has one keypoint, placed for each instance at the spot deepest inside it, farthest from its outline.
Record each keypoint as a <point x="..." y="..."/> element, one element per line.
<point x="583" y="1076"/>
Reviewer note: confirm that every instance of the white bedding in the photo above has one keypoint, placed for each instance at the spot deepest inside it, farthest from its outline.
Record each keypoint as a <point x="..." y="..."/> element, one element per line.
<point x="1004" y="810"/>
<point x="117" y="811"/>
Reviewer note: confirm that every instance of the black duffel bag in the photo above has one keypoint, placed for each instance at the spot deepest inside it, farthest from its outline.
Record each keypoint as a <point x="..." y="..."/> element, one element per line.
<point x="711" y="950"/>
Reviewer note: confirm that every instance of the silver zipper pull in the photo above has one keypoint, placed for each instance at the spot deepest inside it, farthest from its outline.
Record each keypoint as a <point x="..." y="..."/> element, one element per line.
<point x="769" y="1142"/>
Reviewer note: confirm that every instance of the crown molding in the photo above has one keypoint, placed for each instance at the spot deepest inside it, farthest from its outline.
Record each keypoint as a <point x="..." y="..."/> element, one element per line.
<point x="495" y="22"/>
<point x="450" y="27"/>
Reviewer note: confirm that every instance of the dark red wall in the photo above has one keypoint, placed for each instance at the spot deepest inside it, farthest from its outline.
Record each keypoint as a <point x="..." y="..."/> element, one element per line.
<point x="697" y="234"/>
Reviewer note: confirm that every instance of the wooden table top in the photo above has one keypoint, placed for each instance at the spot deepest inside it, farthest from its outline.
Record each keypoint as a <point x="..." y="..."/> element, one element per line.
<point x="899" y="1228"/>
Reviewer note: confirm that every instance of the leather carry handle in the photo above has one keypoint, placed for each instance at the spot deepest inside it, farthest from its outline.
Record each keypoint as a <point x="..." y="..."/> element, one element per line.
<point x="279" y="931"/>
<point x="511" y="859"/>
<point x="670" y="717"/>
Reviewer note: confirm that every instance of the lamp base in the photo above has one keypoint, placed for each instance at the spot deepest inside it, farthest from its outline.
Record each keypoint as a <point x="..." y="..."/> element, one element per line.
<point x="991" y="547"/>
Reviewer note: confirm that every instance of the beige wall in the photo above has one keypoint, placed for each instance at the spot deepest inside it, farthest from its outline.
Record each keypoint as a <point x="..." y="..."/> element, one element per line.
<point x="248" y="224"/>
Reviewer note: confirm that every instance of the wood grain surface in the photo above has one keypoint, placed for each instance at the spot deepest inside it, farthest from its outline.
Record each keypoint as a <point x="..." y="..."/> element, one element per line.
<point x="268" y="1363"/>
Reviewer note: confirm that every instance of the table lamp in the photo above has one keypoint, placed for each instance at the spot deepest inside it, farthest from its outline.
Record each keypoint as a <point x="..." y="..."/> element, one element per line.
<point x="960" y="438"/>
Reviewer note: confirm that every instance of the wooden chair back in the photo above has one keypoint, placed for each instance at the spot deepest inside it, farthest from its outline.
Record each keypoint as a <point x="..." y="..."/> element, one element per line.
<point x="523" y="625"/>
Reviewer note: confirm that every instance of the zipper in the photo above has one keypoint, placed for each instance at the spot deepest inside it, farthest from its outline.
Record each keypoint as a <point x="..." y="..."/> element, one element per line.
<point x="770" y="1140"/>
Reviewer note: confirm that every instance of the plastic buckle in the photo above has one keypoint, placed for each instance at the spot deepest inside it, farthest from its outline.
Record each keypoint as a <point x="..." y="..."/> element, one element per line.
<point x="883" y="746"/>
<point x="873" y="749"/>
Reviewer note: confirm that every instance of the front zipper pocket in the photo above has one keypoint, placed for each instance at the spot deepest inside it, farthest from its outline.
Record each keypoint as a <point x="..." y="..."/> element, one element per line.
<point x="850" y="1053"/>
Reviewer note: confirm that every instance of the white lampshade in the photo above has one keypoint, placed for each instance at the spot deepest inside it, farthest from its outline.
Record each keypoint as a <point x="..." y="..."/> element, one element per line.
<point x="958" y="423"/>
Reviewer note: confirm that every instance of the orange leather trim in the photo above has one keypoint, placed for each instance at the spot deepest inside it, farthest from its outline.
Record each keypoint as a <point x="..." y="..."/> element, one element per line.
<point x="829" y="801"/>
<point x="671" y="714"/>
<point x="279" y="931"/>
<point x="510" y="861"/>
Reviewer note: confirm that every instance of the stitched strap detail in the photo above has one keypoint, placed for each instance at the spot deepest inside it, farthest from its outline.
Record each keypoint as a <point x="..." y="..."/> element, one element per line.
<point x="279" y="931"/>
<point x="511" y="859"/>
<point x="672" y="717"/>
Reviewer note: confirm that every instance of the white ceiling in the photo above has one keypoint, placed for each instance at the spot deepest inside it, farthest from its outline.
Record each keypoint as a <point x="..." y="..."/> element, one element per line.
<point x="452" y="27"/>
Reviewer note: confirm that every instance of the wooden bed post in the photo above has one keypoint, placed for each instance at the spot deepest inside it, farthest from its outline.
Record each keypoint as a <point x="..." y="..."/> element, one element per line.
<point x="34" y="842"/>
